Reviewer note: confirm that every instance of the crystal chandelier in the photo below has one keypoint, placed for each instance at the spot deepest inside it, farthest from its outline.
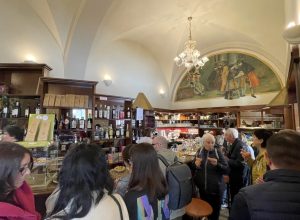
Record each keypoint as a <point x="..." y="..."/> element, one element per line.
<point x="190" y="57"/>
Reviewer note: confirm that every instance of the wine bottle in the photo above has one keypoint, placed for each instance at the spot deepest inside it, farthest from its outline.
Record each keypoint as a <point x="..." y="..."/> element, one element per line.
<point x="100" y="111"/>
<point x="104" y="112"/>
<point x="113" y="112"/>
<point x="110" y="131"/>
<point x="5" y="111"/>
<point x="96" y="112"/>
<point x="89" y="121"/>
<point x="38" y="109"/>
<point x="81" y="123"/>
<point x="127" y="131"/>
<point x="128" y="113"/>
<point x="27" y="112"/>
<point x="108" y="112"/>
<point x="74" y="123"/>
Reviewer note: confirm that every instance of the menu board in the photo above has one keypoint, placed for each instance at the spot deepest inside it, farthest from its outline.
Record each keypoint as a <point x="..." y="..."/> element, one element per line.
<point x="40" y="130"/>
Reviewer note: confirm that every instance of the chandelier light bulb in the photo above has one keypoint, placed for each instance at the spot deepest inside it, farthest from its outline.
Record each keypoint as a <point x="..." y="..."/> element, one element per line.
<point x="190" y="57"/>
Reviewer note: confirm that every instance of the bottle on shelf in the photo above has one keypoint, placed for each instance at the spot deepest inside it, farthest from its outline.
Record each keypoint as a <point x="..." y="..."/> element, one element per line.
<point x="81" y="123"/>
<point x="106" y="131"/>
<point x="104" y="112"/>
<point x="128" y="113"/>
<point x="100" y="111"/>
<point x="122" y="131"/>
<point x="118" y="133"/>
<point x="27" y="112"/>
<point x="113" y="112"/>
<point x="96" y="112"/>
<point x="110" y="131"/>
<point x="16" y="111"/>
<point x="5" y="111"/>
<point x="127" y="134"/>
<point x="89" y="121"/>
<point x="108" y="112"/>
<point x="97" y="135"/>
<point x="74" y="123"/>
<point x="121" y="112"/>
<point x="38" y="109"/>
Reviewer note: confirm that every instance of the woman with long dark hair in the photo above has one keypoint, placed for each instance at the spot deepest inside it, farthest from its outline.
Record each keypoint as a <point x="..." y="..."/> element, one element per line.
<point x="147" y="196"/>
<point x="85" y="188"/>
<point x="16" y="197"/>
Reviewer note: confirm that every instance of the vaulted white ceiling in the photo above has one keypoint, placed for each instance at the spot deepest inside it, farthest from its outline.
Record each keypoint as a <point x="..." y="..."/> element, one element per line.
<point x="135" y="41"/>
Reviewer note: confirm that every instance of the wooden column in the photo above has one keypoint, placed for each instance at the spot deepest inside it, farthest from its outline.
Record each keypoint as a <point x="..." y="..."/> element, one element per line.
<point x="289" y="121"/>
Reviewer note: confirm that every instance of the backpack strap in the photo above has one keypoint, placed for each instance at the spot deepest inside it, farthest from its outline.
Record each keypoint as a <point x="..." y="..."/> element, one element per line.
<point x="118" y="204"/>
<point x="165" y="162"/>
<point x="217" y="154"/>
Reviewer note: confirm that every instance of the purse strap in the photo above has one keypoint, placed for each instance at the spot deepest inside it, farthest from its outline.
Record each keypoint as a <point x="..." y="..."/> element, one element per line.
<point x="119" y="206"/>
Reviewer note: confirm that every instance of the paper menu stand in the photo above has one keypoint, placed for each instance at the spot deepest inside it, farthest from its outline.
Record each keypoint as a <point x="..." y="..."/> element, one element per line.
<point x="32" y="130"/>
<point x="44" y="130"/>
<point x="40" y="130"/>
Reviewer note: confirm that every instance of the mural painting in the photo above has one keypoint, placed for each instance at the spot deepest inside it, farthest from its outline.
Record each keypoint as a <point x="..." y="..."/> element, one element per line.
<point x="228" y="75"/>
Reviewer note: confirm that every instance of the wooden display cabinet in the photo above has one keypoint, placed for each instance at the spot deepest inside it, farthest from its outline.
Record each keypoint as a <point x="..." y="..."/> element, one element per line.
<point x="68" y="110"/>
<point x="18" y="83"/>
<point x="112" y="119"/>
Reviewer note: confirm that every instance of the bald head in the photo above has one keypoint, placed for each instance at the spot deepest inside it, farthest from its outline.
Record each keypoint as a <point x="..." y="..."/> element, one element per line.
<point x="160" y="142"/>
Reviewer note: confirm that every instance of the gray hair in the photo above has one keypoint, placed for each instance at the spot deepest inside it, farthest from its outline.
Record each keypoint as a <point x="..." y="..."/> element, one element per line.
<point x="233" y="132"/>
<point x="162" y="141"/>
<point x="208" y="136"/>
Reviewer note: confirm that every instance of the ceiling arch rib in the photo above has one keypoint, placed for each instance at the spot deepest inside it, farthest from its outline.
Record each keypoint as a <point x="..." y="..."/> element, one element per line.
<point x="83" y="36"/>
<point x="42" y="9"/>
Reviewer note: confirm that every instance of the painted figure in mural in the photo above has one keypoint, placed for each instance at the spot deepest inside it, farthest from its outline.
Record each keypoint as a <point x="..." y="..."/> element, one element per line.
<point x="232" y="86"/>
<point x="249" y="71"/>
<point x="224" y="72"/>
<point x="194" y="79"/>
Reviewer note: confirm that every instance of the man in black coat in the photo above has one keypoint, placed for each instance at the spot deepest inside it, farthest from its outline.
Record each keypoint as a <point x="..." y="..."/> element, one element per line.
<point x="279" y="196"/>
<point x="235" y="161"/>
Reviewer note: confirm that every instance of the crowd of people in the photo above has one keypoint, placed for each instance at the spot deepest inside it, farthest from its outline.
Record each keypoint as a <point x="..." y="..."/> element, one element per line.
<point x="264" y="186"/>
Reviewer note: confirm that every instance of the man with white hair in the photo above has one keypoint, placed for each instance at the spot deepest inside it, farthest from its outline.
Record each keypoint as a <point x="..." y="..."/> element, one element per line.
<point x="235" y="161"/>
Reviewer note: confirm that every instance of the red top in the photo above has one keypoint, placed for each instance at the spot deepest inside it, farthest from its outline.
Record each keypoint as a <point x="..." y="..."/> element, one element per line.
<point x="25" y="208"/>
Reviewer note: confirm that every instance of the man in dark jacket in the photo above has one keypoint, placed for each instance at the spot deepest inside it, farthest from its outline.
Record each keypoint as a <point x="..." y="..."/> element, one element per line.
<point x="236" y="162"/>
<point x="279" y="196"/>
<point x="210" y="166"/>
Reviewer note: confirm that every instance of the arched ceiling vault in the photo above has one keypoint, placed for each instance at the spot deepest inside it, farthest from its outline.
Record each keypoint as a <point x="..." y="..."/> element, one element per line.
<point x="161" y="28"/>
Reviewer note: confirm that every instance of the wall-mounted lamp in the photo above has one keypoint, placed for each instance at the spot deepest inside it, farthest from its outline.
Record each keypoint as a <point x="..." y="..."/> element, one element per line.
<point x="29" y="58"/>
<point x="162" y="93"/>
<point x="292" y="34"/>
<point x="107" y="82"/>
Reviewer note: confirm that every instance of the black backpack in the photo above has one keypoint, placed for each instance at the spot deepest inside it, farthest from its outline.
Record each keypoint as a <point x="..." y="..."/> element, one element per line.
<point x="179" y="178"/>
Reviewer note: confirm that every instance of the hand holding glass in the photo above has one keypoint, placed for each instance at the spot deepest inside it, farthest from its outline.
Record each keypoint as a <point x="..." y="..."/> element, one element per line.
<point x="198" y="161"/>
<point x="246" y="155"/>
<point x="212" y="161"/>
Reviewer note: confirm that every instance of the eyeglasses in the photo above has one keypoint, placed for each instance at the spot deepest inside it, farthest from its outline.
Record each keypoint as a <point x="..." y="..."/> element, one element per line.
<point x="23" y="169"/>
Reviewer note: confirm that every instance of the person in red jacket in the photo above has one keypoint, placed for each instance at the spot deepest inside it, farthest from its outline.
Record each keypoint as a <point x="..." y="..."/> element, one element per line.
<point x="16" y="197"/>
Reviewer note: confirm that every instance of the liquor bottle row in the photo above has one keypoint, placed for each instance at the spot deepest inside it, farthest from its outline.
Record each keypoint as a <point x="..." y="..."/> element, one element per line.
<point x="110" y="133"/>
<point x="15" y="111"/>
<point x="66" y="122"/>
<point x="112" y="112"/>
